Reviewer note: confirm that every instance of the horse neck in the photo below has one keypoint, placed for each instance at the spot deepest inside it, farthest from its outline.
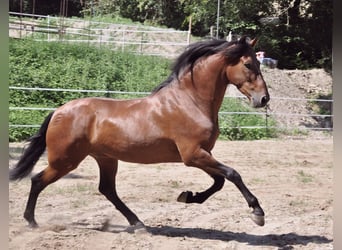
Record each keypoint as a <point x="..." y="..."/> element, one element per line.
<point x="208" y="83"/>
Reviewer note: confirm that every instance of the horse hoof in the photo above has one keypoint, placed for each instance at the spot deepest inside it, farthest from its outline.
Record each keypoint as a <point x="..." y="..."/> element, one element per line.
<point x="258" y="219"/>
<point x="138" y="228"/>
<point x="105" y="226"/>
<point x="33" y="225"/>
<point x="183" y="197"/>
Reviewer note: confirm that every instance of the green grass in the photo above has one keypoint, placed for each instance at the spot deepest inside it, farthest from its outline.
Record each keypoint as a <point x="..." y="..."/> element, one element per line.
<point x="70" y="66"/>
<point x="231" y="126"/>
<point x="304" y="177"/>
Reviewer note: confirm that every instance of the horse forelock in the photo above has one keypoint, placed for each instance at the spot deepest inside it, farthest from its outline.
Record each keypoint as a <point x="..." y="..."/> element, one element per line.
<point x="234" y="53"/>
<point x="202" y="49"/>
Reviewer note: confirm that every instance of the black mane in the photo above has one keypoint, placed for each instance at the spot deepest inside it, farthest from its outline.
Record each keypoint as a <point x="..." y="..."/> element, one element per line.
<point x="204" y="49"/>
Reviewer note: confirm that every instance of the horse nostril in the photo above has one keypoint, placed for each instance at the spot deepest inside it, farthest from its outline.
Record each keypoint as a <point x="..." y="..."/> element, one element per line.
<point x="264" y="100"/>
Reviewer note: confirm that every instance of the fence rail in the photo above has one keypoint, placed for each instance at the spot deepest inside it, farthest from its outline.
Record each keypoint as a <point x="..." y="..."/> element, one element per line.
<point x="265" y="113"/>
<point x="142" y="40"/>
<point x="136" y="39"/>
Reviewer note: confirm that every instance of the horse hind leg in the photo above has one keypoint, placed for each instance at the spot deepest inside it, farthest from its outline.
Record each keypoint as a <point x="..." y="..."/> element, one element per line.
<point x="38" y="183"/>
<point x="108" y="170"/>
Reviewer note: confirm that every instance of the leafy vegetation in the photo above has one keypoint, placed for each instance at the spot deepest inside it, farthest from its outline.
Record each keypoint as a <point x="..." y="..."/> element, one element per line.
<point x="304" y="177"/>
<point x="323" y="108"/>
<point x="67" y="66"/>
<point x="297" y="33"/>
<point x="238" y="126"/>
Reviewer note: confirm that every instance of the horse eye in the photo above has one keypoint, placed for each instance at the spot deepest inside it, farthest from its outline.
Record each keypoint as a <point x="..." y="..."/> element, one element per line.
<point x="248" y="65"/>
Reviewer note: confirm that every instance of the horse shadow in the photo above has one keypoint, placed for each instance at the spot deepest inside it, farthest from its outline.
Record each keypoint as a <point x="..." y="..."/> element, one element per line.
<point x="282" y="241"/>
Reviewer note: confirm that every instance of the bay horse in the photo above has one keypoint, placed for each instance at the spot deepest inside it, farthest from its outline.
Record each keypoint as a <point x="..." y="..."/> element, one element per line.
<point x="177" y="122"/>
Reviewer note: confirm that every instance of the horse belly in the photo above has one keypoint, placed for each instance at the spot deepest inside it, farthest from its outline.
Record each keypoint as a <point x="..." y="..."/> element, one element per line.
<point x="140" y="152"/>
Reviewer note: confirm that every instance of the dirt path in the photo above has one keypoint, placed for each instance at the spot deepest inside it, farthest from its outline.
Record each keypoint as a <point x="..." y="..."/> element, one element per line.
<point x="291" y="178"/>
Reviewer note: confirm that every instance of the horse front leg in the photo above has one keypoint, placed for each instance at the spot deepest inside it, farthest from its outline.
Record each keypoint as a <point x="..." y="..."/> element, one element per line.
<point x="189" y="197"/>
<point x="258" y="215"/>
<point x="202" y="159"/>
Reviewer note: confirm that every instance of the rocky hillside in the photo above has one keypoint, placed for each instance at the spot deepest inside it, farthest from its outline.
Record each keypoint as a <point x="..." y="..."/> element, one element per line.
<point x="288" y="88"/>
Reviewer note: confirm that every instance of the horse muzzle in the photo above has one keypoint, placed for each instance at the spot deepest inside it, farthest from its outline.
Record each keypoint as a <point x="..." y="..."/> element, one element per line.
<point x="260" y="101"/>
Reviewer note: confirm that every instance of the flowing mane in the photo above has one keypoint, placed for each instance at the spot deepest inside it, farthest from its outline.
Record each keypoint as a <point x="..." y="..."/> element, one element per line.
<point x="202" y="49"/>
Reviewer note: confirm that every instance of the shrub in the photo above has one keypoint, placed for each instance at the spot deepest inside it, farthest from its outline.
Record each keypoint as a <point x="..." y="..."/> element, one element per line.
<point x="237" y="126"/>
<point x="69" y="66"/>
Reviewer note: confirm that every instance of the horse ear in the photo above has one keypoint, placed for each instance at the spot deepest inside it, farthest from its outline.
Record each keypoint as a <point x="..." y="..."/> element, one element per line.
<point x="242" y="40"/>
<point x="253" y="42"/>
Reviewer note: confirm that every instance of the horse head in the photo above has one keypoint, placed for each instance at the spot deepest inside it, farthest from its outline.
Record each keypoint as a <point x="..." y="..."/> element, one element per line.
<point x="243" y="71"/>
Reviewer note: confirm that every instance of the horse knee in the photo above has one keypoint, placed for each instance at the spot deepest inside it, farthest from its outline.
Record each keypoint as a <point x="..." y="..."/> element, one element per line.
<point x="103" y="189"/>
<point x="218" y="182"/>
<point x="233" y="176"/>
<point x="37" y="183"/>
<point x="106" y="188"/>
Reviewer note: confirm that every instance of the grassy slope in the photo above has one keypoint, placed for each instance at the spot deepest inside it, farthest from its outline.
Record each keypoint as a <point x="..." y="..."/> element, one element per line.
<point x="57" y="65"/>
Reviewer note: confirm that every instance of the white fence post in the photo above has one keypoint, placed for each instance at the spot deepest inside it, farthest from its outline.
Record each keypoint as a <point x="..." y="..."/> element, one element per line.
<point x="48" y="22"/>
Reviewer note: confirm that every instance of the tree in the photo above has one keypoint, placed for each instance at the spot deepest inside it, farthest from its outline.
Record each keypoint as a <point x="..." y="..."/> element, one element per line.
<point x="47" y="7"/>
<point x="243" y="17"/>
<point x="303" y="37"/>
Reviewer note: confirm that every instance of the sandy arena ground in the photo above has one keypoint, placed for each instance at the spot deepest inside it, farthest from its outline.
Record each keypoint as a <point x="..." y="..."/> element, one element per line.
<point x="292" y="179"/>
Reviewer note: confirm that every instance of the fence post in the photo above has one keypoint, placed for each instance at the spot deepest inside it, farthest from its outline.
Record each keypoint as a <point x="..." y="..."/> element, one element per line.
<point x="189" y="30"/>
<point x="101" y="33"/>
<point x="48" y="23"/>
<point x="141" y="42"/>
<point x="123" y="40"/>
<point x="266" y="119"/>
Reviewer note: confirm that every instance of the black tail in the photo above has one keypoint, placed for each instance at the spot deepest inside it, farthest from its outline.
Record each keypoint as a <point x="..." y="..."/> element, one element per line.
<point x="32" y="153"/>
